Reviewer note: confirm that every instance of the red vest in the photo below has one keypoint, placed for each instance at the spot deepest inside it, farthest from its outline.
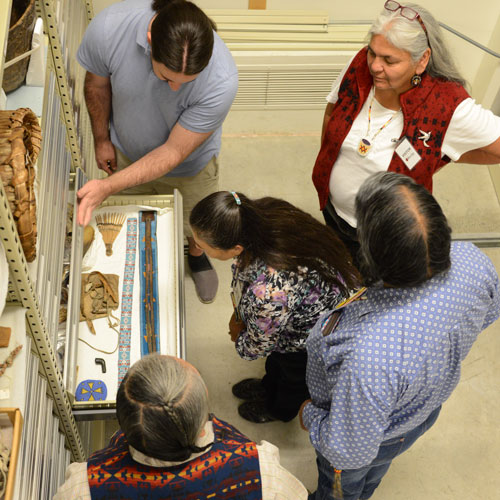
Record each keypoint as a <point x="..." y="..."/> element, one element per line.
<point x="427" y="107"/>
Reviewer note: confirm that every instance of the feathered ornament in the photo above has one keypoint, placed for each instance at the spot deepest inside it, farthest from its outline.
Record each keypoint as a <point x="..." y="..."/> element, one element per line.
<point x="109" y="225"/>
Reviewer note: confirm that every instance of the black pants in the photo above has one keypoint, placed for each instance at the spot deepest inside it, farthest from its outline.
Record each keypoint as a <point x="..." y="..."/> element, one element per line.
<point x="344" y="231"/>
<point x="285" y="384"/>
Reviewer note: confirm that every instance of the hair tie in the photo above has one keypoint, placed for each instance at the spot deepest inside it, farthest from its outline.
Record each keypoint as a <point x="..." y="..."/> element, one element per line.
<point x="236" y="197"/>
<point x="199" y="449"/>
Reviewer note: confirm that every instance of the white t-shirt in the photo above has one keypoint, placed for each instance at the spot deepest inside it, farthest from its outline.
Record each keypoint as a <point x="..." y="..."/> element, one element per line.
<point x="471" y="127"/>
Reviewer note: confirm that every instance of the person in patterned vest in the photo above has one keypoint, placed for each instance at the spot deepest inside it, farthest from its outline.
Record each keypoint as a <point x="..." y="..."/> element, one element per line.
<point x="168" y="446"/>
<point x="399" y="105"/>
<point x="380" y="368"/>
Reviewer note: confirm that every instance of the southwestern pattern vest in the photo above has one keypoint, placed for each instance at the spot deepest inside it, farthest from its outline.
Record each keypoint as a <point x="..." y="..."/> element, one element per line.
<point x="229" y="470"/>
<point x="428" y="107"/>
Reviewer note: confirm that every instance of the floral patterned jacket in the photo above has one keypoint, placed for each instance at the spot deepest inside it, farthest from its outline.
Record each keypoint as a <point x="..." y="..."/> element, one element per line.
<point x="279" y="308"/>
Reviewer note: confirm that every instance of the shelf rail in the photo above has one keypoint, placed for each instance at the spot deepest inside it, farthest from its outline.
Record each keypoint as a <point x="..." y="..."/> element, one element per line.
<point x="470" y="40"/>
<point x="51" y="26"/>
<point x="25" y="294"/>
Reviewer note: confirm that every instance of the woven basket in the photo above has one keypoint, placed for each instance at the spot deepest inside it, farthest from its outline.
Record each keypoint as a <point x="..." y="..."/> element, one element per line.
<point x="20" y="139"/>
<point x="22" y="24"/>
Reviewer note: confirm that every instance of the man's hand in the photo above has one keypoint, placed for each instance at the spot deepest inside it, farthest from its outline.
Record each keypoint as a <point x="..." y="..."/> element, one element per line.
<point x="105" y="155"/>
<point x="235" y="327"/>
<point x="306" y="402"/>
<point x="90" y="196"/>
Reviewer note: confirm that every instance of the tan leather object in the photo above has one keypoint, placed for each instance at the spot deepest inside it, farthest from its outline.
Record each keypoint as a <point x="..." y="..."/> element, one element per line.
<point x="99" y="296"/>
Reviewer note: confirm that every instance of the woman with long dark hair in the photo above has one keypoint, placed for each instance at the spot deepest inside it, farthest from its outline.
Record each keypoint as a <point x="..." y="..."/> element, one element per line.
<point x="289" y="268"/>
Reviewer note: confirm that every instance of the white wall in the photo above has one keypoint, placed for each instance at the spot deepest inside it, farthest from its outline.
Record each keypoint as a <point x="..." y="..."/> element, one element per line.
<point x="480" y="20"/>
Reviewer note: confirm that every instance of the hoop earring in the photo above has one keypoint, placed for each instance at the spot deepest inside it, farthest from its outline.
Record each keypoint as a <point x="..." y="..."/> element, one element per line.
<point x="416" y="80"/>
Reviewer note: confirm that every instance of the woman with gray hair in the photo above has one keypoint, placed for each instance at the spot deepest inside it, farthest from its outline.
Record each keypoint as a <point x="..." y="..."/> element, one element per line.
<point x="168" y="446"/>
<point x="399" y="105"/>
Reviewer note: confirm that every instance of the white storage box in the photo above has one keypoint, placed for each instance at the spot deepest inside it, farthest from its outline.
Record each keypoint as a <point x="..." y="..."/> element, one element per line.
<point x="102" y="358"/>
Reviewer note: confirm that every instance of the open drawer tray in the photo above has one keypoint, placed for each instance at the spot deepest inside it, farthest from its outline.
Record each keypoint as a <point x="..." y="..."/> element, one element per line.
<point x="148" y="282"/>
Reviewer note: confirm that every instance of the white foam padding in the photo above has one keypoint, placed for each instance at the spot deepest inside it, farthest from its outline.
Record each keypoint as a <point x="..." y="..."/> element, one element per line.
<point x="106" y="339"/>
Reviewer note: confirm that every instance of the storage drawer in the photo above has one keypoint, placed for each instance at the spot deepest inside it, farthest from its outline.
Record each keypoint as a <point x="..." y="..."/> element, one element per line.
<point x="98" y="354"/>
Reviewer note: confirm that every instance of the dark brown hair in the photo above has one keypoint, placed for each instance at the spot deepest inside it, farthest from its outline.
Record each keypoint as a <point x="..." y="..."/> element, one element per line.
<point x="404" y="235"/>
<point x="273" y="230"/>
<point x="182" y="36"/>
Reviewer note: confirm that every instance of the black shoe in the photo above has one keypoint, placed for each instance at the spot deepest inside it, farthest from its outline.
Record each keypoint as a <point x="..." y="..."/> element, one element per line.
<point x="255" y="411"/>
<point x="250" y="389"/>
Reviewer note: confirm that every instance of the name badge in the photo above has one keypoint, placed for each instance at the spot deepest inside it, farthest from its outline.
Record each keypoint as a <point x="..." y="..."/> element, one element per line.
<point x="407" y="153"/>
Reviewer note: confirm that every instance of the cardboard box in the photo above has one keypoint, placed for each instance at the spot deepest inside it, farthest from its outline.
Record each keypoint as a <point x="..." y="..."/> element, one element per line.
<point x="16" y="419"/>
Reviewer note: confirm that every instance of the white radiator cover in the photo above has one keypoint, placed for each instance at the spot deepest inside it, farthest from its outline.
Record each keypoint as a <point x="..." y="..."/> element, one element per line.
<point x="286" y="79"/>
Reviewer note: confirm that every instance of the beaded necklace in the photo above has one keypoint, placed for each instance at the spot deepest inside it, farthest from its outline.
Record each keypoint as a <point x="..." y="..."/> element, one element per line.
<point x="365" y="143"/>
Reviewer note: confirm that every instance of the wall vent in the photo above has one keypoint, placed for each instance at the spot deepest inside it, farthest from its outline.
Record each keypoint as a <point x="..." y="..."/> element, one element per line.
<point x="284" y="89"/>
<point x="287" y="81"/>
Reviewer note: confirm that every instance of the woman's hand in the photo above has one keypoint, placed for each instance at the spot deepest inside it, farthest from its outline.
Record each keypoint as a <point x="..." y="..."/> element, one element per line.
<point x="235" y="327"/>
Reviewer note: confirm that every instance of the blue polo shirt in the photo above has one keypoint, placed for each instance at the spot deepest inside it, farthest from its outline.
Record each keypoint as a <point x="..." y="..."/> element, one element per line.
<point x="145" y="108"/>
<point x="395" y="357"/>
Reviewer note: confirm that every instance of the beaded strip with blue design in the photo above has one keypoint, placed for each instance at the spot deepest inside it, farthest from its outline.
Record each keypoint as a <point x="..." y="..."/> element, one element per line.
<point x="127" y="299"/>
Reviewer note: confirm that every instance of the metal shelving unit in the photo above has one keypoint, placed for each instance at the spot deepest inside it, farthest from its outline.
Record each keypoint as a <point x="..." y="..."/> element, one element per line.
<point x="50" y="437"/>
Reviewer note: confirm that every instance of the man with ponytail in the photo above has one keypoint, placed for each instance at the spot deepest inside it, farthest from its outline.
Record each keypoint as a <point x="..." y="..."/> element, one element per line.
<point x="168" y="446"/>
<point x="158" y="87"/>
